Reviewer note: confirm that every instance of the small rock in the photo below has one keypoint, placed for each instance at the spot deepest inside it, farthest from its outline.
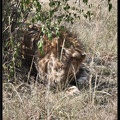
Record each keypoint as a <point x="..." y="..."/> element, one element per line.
<point x="81" y="80"/>
<point x="72" y="91"/>
<point x="82" y="76"/>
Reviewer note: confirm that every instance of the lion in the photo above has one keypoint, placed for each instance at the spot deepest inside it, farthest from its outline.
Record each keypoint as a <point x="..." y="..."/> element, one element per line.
<point x="61" y="58"/>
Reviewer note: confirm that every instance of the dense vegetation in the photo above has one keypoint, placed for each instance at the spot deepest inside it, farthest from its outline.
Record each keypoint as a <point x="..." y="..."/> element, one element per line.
<point x="95" y="23"/>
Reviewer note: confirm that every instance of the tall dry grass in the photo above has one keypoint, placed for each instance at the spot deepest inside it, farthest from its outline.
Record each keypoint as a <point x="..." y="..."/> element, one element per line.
<point x="98" y="101"/>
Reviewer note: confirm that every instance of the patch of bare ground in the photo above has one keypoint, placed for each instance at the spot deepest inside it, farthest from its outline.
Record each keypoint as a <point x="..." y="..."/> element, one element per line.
<point x="96" y="100"/>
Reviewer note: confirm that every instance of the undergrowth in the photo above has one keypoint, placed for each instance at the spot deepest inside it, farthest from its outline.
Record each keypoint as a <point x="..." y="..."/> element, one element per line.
<point x="33" y="101"/>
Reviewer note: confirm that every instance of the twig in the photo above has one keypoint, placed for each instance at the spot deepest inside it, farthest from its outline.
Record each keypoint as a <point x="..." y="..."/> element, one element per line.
<point x="30" y="70"/>
<point x="15" y="91"/>
<point x="104" y="92"/>
<point x="62" y="49"/>
<point x="23" y="21"/>
<point x="94" y="92"/>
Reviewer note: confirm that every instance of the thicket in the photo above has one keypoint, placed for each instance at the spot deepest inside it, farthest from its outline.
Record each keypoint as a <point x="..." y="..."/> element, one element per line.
<point x="15" y="16"/>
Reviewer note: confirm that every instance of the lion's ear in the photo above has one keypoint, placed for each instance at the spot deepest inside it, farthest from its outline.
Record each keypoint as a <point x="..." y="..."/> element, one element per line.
<point x="76" y="54"/>
<point x="79" y="55"/>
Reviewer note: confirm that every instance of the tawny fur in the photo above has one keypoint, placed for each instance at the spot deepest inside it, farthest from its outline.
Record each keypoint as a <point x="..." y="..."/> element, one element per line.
<point x="61" y="59"/>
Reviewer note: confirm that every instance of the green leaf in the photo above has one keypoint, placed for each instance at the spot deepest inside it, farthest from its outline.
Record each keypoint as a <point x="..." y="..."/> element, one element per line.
<point x="43" y="30"/>
<point x="52" y="4"/>
<point x="110" y="7"/>
<point x="66" y="7"/>
<point x="73" y="8"/>
<point x="40" y="46"/>
<point x="62" y="27"/>
<point x="66" y="0"/>
<point x="58" y="3"/>
<point x="51" y="12"/>
<point x="59" y="20"/>
<point x="58" y="33"/>
<point x="75" y="15"/>
<point x="27" y="1"/>
<point x="85" y="1"/>
<point x="90" y="5"/>
<point x="85" y="16"/>
<point x="88" y="13"/>
<point x="39" y="6"/>
<point x="50" y="36"/>
<point x="38" y="17"/>
<point x="78" y="17"/>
